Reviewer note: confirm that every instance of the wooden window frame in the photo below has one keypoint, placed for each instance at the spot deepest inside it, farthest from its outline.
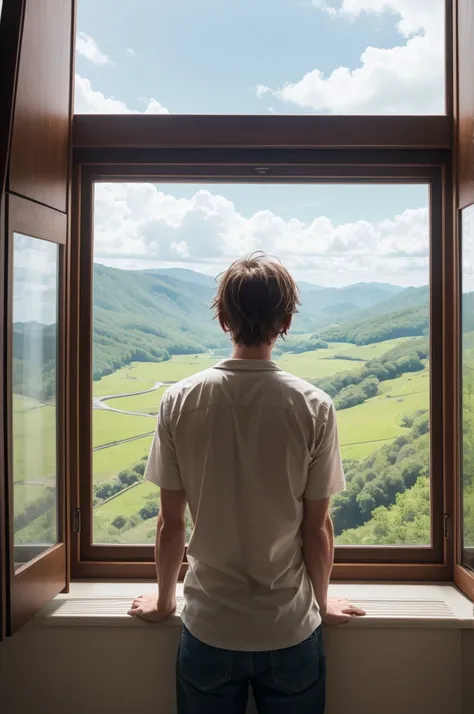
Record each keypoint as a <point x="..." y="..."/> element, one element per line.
<point x="132" y="147"/>
<point x="131" y="160"/>
<point x="463" y="171"/>
<point x="11" y="28"/>
<point x="44" y="575"/>
<point x="463" y="575"/>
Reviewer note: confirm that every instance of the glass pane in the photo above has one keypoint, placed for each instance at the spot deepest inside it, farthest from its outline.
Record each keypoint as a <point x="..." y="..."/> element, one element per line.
<point x="268" y="57"/>
<point x="467" y="230"/>
<point x="35" y="310"/>
<point x="360" y="254"/>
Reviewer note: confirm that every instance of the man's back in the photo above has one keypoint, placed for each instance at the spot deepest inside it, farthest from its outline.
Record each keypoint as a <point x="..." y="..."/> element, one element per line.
<point x="249" y="441"/>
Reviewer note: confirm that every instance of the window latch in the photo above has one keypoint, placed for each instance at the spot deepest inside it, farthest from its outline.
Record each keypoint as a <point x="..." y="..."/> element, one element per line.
<point x="76" y="521"/>
<point x="447" y="526"/>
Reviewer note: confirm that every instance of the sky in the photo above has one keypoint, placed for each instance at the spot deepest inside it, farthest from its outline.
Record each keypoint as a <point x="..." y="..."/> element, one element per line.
<point x="263" y="57"/>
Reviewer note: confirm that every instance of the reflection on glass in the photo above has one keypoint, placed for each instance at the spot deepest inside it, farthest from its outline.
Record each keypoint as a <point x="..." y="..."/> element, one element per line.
<point x="360" y="254"/>
<point x="35" y="309"/>
<point x="467" y="231"/>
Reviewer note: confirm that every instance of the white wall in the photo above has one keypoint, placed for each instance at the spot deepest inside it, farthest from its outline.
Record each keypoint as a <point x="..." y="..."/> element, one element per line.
<point x="125" y="670"/>
<point x="468" y="671"/>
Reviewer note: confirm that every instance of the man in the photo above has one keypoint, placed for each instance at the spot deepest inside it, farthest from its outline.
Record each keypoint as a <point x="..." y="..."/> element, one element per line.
<point x="254" y="451"/>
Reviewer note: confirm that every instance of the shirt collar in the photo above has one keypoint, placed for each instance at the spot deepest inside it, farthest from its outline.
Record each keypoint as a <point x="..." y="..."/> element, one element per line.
<point x="248" y="365"/>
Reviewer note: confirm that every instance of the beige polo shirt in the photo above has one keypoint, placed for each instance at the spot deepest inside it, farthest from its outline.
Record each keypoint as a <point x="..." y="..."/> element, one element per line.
<point x="247" y="442"/>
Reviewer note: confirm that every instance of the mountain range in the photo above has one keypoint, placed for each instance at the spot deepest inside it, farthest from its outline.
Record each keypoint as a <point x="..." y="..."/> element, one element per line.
<point x="152" y="314"/>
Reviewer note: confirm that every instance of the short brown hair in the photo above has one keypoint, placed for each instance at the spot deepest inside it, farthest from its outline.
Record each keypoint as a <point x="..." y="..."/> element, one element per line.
<point x="254" y="300"/>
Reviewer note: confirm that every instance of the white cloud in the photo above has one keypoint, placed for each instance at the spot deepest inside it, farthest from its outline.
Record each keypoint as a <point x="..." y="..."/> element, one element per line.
<point x="406" y="79"/>
<point x="88" y="48"/>
<point x="130" y="51"/>
<point x="137" y="225"/>
<point x="90" y="101"/>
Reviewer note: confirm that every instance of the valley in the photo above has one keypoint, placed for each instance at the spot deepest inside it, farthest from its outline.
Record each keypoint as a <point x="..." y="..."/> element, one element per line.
<point x="363" y="428"/>
<point x="366" y="345"/>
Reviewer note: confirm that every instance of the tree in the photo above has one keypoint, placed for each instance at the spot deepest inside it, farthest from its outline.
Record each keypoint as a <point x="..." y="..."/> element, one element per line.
<point x="406" y="522"/>
<point x="107" y="490"/>
<point x="129" y="476"/>
<point x="140" y="466"/>
<point x="378" y="480"/>
<point x="149" y="510"/>
<point x="119" y="522"/>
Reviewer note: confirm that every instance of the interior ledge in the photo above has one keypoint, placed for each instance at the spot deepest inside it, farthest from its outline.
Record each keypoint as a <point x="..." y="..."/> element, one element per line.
<point x="106" y="604"/>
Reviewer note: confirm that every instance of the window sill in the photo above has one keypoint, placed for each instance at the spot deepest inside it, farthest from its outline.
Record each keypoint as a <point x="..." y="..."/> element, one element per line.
<point x="387" y="605"/>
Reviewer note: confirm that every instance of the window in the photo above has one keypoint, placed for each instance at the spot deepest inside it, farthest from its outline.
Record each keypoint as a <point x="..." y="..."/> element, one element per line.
<point x="364" y="247"/>
<point x="271" y="57"/>
<point x="35" y="346"/>
<point x="35" y="406"/>
<point x="467" y="483"/>
<point x="361" y="256"/>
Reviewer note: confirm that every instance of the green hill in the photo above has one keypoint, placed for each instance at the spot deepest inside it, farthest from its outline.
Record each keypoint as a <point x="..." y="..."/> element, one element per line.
<point x="412" y="322"/>
<point x="143" y="316"/>
<point x="404" y="300"/>
<point x="403" y="314"/>
<point x="150" y="315"/>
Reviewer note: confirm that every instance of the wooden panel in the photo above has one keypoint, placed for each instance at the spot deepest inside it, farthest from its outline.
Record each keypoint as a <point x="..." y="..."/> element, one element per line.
<point x="45" y="575"/>
<point x="40" y="140"/>
<point x="36" y="221"/>
<point x="464" y="580"/>
<point x="343" y="572"/>
<point x="261" y="131"/>
<point x="37" y="583"/>
<point x="466" y="101"/>
<point x="11" y="27"/>
<point x="4" y="551"/>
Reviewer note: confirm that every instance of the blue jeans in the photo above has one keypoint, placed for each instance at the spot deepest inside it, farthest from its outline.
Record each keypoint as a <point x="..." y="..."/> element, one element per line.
<point x="215" y="681"/>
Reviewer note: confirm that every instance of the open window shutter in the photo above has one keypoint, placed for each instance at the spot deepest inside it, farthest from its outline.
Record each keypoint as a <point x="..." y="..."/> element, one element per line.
<point x="11" y="26"/>
<point x="464" y="24"/>
<point x="465" y="30"/>
<point x="34" y="256"/>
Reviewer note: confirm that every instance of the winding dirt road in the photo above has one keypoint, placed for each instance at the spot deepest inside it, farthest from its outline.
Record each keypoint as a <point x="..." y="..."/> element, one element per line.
<point x="101" y="403"/>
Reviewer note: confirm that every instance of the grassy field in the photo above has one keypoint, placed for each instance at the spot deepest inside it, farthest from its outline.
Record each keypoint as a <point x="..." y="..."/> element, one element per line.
<point x="120" y="382"/>
<point x="34" y="445"/>
<point x="178" y="367"/>
<point x="363" y="428"/>
<point x="34" y="452"/>
<point x="320" y="363"/>
<point x="110" y="427"/>
<point x="144" y="403"/>
<point x="410" y="383"/>
<point x="125" y="504"/>
<point x="108" y="462"/>
<point x="128" y="501"/>
<point x="368" y="352"/>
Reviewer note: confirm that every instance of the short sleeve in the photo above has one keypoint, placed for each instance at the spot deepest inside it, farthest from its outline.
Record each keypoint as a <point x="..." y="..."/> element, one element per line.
<point x="162" y="467"/>
<point x="325" y="472"/>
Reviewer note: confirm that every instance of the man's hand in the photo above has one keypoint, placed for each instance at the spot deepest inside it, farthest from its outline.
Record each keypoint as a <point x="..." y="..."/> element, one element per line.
<point x="339" y="611"/>
<point x="148" y="607"/>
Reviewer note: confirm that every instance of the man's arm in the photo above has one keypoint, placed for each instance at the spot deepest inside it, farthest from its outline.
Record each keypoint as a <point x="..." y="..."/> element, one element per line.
<point x="169" y="547"/>
<point x="325" y="478"/>
<point x="163" y="470"/>
<point x="169" y="551"/>
<point x="318" y="547"/>
<point x="318" y="554"/>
